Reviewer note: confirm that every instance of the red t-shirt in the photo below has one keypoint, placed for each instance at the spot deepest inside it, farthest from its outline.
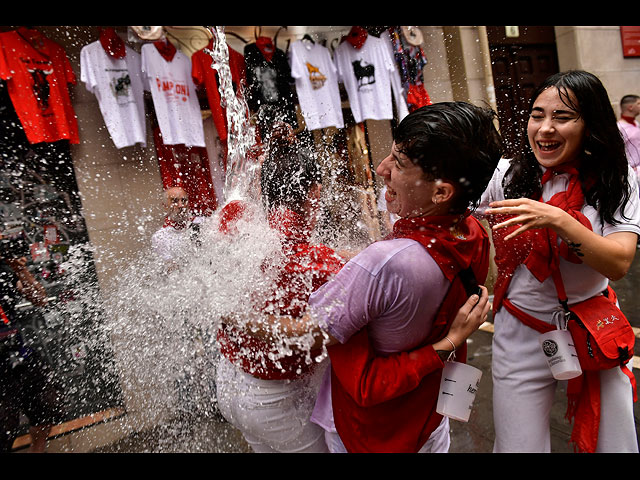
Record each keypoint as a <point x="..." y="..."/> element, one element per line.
<point x="204" y="75"/>
<point x="37" y="82"/>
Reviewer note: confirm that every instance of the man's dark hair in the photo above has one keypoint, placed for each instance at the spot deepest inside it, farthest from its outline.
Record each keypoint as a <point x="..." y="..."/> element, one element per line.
<point x="453" y="141"/>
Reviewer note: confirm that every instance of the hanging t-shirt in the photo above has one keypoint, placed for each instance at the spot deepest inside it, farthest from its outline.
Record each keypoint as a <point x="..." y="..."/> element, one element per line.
<point x="270" y="87"/>
<point x="370" y="78"/>
<point x="38" y="84"/>
<point x="204" y="75"/>
<point x="118" y="86"/>
<point x="316" y="79"/>
<point x="174" y="97"/>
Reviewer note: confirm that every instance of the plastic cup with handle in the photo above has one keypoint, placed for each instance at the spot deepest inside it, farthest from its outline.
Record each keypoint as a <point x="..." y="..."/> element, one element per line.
<point x="458" y="387"/>
<point x="560" y="352"/>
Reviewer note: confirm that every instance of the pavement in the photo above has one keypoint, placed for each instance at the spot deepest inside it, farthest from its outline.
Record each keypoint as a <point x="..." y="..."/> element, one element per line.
<point x="212" y="434"/>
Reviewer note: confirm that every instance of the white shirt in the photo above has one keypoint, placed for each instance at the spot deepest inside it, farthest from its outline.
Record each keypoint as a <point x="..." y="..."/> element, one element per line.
<point x="118" y="86"/>
<point x="170" y="243"/>
<point x="370" y="77"/>
<point x="580" y="280"/>
<point x="316" y="79"/>
<point x="174" y="97"/>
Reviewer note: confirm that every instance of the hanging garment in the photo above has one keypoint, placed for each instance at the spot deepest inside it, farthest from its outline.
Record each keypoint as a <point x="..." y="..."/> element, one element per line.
<point x="174" y="94"/>
<point x="410" y="60"/>
<point x="38" y="72"/>
<point x="316" y="80"/>
<point x="117" y="83"/>
<point x="270" y="86"/>
<point x="204" y="75"/>
<point x="370" y="78"/>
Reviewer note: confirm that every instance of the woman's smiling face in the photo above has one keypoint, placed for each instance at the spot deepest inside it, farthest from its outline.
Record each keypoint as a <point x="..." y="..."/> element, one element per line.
<point x="556" y="132"/>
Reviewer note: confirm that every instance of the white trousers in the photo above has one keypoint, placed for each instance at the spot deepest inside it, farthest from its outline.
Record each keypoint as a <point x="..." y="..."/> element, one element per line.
<point x="273" y="415"/>
<point x="524" y="390"/>
<point x="438" y="442"/>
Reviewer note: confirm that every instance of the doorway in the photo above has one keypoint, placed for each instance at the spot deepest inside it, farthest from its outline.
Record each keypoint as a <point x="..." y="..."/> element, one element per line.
<point x="521" y="59"/>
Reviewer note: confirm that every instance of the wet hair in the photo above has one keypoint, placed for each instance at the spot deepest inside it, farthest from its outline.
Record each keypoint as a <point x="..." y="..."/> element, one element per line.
<point x="603" y="168"/>
<point x="453" y="141"/>
<point x="288" y="172"/>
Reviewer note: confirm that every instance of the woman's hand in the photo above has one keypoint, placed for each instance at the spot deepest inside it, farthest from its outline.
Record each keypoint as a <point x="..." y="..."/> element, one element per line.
<point x="529" y="214"/>
<point x="468" y="319"/>
<point x="610" y="256"/>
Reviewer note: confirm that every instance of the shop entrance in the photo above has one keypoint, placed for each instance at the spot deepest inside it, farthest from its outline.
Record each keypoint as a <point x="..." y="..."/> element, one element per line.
<point x="521" y="58"/>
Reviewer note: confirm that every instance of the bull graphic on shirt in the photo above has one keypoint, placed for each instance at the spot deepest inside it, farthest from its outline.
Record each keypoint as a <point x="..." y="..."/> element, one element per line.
<point x="41" y="88"/>
<point x="365" y="73"/>
<point x="121" y="87"/>
<point x="316" y="77"/>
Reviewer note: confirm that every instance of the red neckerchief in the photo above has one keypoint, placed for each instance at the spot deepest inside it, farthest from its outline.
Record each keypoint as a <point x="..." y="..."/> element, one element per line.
<point x="357" y="36"/>
<point x="539" y="251"/>
<point x="112" y="43"/>
<point x="387" y="404"/>
<point x="630" y="120"/>
<point x="177" y="225"/>
<point x="266" y="47"/>
<point x="166" y="49"/>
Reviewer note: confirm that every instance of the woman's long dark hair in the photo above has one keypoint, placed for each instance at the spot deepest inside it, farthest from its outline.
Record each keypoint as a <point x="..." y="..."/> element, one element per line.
<point x="603" y="165"/>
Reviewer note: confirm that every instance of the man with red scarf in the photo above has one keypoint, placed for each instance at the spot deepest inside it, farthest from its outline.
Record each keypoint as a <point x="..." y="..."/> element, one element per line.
<point x="388" y="315"/>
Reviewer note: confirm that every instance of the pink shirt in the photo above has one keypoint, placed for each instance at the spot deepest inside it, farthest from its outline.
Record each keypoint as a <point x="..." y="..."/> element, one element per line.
<point x="394" y="288"/>
<point x="631" y="135"/>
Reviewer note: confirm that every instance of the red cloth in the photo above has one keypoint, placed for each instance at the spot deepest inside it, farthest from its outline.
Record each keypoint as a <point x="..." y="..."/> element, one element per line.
<point x="38" y="79"/>
<point x="417" y="97"/>
<point x="387" y="404"/>
<point x="539" y="251"/>
<point x="204" y="75"/>
<point x="112" y="43"/>
<point x="291" y="294"/>
<point x="166" y="49"/>
<point x="357" y="37"/>
<point x="266" y="47"/>
<point x="189" y="168"/>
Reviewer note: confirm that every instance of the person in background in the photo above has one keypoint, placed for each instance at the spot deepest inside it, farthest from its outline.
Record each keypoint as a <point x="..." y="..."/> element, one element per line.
<point x="570" y="186"/>
<point x="180" y="228"/>
<point x="630" y="129"/>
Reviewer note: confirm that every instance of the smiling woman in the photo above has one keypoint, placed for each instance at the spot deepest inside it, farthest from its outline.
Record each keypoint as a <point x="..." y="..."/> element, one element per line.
<point x="564" y="204"/>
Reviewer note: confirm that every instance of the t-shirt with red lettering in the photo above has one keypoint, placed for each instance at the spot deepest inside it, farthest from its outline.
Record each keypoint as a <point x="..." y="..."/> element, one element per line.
<point x="38" y="84"/>
<point x="174" y="97"/>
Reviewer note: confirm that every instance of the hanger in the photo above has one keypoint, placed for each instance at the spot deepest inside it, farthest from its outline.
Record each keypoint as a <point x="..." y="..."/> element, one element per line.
<point x="308" y="37"/>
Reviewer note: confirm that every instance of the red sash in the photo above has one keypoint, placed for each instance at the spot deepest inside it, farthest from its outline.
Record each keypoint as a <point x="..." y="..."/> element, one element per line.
<point x="539" y="251"/>
<point x="387" y="404"/>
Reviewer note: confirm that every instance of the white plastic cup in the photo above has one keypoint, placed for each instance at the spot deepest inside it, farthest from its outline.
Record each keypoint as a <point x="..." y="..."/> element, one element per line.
<point x="458" y="387"/>
<point x="560" y="352"/>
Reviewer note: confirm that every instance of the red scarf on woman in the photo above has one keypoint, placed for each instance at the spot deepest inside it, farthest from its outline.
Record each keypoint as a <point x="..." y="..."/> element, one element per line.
<point x="387" y="404"/>
<point x="539" y="251"/>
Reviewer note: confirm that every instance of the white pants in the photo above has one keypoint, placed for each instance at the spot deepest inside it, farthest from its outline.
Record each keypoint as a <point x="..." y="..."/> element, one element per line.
<point x="438" y="442"/>
<point x="273" y="415"/>
<point x="524" y="389"/>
